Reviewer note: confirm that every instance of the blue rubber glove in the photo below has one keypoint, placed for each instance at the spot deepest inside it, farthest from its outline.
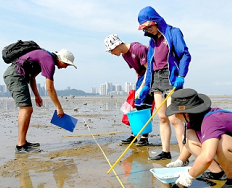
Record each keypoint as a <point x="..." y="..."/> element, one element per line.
<point x="144" y="91"/>
<point x="179" y="82"/>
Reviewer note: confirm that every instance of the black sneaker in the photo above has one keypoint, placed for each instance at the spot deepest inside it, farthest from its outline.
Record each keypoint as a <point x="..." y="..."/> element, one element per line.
<point x="26" y="149"/>
<point x="142" y="142"/>
<point x="186" y="163"/>
<point x="33" y="144"/>
<point x="214" y="176"/>
<point x="161" y="156"/>
<point x="128" y="140"/>
<point x="228" y="184"/>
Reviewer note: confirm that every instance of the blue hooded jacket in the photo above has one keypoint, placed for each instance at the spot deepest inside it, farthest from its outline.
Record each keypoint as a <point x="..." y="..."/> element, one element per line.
<point x="178" y="57"/>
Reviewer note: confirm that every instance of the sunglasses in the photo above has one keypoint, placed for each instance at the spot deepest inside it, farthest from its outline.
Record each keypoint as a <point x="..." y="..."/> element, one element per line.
<point x="148" y="28"/>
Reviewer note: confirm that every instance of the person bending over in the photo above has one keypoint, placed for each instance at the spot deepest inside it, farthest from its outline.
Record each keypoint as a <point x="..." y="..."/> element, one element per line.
<point x="135" y="54"/>
<point x="22" y="73"/>
<point x="209" y="129"/>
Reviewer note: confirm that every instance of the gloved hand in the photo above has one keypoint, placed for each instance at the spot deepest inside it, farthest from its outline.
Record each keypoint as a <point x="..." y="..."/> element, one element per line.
<point x="144" y="91"/>
<point x="179" y="82"/>
<point x="177" y="163"/>
<point x="137" y="93"/>
<point x="185" y="179"/>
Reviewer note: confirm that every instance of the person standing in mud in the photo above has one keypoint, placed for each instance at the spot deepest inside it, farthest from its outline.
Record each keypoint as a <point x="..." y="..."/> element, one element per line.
<point x="135" y="54"/>
<point x="17" y="77"/>
<point x="167" y="65"/>
<point x="209" y="137"/>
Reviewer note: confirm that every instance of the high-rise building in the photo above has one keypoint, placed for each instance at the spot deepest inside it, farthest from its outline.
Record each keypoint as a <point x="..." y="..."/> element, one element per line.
<point x="1" y="88"/>
<point x="132" y="85"/>
<point x="5" y="90"/>
<point x="129" y="86"/>
<point x="109" y="87"/>
<point x="39" y="88"/>
<point x="103" y="89"/>
<point x="94" y="90"/>
<point x="118" y="87"/>
<point x="45" y="90"/>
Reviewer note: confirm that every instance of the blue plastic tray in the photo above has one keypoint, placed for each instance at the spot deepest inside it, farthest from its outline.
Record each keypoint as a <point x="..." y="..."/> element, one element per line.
<point x="168" y="175"/>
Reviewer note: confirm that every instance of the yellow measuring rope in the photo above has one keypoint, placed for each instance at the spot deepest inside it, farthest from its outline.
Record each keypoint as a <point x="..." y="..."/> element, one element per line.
<point x="141" y="130"/>
<point x="109" y="163"/>
<point x="103" y="154"/>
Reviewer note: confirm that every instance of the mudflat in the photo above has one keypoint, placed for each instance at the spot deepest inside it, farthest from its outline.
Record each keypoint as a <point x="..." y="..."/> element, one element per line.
<point x="74" y="159"/>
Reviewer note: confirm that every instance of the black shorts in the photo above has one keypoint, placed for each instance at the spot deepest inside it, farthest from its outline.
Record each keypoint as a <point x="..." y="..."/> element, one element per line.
<point x="160" y="82"/>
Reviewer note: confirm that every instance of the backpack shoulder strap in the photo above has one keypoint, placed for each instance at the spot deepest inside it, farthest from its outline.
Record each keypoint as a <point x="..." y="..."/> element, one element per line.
<point x="225" y="111"/>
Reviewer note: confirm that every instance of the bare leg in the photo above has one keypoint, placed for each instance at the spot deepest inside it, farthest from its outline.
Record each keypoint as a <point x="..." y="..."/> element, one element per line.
<point x="224" y="154"/>
<point x="178" y="126"/>
<point x="165" y="129"/>
<point x="23" y="121"/>
<point x="194" y="146"/>
<point x="179" y="130"/>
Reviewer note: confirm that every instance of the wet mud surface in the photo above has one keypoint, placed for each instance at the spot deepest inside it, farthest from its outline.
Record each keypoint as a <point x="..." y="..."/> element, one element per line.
<point x="74" y="159"/>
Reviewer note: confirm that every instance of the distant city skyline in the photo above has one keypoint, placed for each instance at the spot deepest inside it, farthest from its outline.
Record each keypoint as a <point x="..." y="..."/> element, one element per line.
<point x="107" y="88"/>
<point x="41" y="89"/>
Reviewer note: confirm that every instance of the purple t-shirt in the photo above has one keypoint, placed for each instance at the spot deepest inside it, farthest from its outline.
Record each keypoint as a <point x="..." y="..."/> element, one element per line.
<point x="215" y="125"/>
<point x="136" y="57"/>
<point x="43" y="58"/>
<point x="161" y="54"/>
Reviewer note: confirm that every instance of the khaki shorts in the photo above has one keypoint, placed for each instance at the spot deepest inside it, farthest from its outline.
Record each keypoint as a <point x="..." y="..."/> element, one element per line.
<point x="17" y="86"/>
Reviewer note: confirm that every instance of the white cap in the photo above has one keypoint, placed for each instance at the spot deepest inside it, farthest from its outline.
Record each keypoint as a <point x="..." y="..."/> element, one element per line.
<point x="66" y="56"/>
<point x="112" y="41"/>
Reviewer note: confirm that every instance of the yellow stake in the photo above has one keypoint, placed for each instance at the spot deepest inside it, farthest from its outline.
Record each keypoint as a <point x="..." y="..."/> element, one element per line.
<point x="141" y="130"/>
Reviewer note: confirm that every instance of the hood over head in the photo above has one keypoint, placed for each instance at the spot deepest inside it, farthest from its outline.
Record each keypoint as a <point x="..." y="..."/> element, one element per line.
<point x="149" y="14"/>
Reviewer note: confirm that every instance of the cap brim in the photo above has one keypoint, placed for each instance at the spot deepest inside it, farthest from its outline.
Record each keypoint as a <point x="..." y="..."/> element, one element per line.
<point x="107" y="50"/>
<point x="74" y="66"/>
<point x="141" y="27"/>
<point x="67" y="62"/>
<point x="145" y="24"/>
<point x="70" y="64"/>
<point x="114" y="46"/>
<point x="198" y="109"/>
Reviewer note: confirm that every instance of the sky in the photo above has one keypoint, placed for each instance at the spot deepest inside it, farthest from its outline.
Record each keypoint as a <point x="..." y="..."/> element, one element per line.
<point x="82" y="26"/>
